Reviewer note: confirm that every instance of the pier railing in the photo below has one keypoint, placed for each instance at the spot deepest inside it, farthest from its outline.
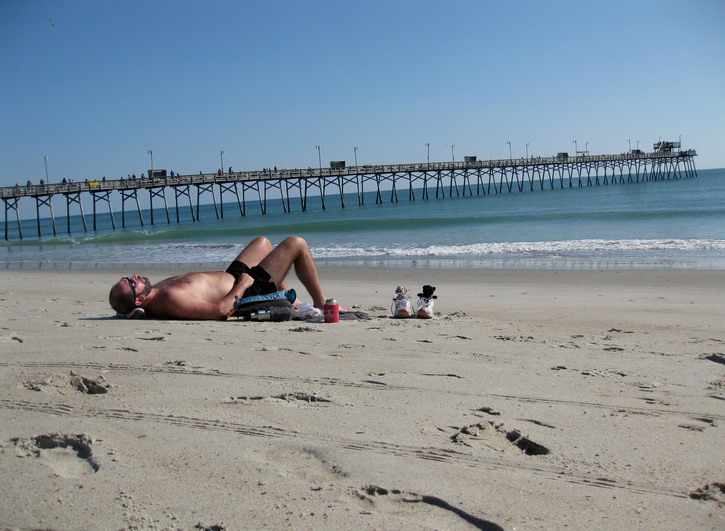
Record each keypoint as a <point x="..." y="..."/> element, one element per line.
<point x="454" y="178"/>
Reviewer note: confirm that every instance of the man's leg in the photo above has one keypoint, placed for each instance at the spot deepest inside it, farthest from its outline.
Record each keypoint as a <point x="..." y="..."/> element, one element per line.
<point x="294" y="251"/>
<point x="255" y="251"/>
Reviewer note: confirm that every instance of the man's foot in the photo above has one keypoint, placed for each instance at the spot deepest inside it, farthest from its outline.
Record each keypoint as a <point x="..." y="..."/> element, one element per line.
<point x="425" y="303"/>
<point x="401" y="308"/>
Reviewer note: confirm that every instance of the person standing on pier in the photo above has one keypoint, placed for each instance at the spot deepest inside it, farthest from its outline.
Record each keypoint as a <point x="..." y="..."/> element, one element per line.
<point x="258" y="270"/>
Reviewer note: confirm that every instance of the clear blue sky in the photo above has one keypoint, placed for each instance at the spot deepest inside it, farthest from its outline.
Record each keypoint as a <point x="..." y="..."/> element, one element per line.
<point x="94" y="85"/>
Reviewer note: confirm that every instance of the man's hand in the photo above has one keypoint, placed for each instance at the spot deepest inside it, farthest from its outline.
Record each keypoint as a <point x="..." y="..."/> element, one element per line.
<point x="243" y="283"/>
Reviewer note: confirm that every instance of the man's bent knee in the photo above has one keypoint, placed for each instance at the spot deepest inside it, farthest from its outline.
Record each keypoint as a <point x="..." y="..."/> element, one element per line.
<point x="262" y="241"/>
<point x="295" y="241"/>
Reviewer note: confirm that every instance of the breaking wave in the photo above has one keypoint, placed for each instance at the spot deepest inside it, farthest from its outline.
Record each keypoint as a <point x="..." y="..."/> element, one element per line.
<point x="548" y="248"/>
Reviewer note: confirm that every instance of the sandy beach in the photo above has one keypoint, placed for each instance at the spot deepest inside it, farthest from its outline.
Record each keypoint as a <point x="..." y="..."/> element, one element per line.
<point x="536" y="399"/>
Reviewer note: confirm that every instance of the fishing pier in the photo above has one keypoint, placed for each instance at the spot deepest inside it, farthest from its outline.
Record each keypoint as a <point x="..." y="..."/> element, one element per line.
<point x="389" y="182"/>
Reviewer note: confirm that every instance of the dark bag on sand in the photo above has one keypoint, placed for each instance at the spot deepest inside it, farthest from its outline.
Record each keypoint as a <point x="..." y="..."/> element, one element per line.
<point x="272" y="307"/>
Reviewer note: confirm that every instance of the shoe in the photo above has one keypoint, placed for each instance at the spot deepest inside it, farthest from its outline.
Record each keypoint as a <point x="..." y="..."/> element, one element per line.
<point x="425" y="303"/>
<point x="401" y="308"/>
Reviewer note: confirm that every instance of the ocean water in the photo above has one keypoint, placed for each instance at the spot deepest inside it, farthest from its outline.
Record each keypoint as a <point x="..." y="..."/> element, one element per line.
<point x="676" y="223"/>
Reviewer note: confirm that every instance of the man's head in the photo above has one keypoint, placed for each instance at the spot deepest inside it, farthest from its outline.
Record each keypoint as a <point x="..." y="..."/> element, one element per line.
<point x="129" y="293"/>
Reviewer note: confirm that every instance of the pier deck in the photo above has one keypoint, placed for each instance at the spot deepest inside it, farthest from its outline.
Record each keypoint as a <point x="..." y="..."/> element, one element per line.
<point x="294" y="186"/>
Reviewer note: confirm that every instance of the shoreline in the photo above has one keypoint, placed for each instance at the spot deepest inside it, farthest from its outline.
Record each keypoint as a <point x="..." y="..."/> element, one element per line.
<point x="609" y="263"/>
<point x="535" y="399"/>
<point x="448" y="274"/>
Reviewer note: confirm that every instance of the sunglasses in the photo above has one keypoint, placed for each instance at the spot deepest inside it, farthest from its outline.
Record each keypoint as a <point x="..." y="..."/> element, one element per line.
<point x="132" y="284"/>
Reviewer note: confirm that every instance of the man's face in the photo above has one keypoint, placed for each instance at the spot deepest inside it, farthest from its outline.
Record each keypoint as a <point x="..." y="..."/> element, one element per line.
<point x="134" y="286"/>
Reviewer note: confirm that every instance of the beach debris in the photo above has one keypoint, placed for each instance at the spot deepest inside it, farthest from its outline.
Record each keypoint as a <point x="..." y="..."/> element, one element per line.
<point x="713" y="491"/>
<point x="539" y="423"/>
<point x="213" y="527"/>
<point x="472" y="430"/>
<point x="707" y="420"/>
<point x="304" y="329"/>
<point x="60" y="383"/>
<point x="620" y="331"/>
<point x="302" y="397"/>
<point x="524" y="339"/>
<point x="309" y="398"/>
<point x="604" y="373"/>
<point x="237" y="399"/>
<point x="374" y="490"/>
<point x="89" y="386"/>
<point x="691" y="427"/>
<point x="569" y="344"/>
<point x="11" y="337"/>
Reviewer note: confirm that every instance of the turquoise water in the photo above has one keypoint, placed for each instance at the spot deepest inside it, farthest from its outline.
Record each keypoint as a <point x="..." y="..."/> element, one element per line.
<point x="664" y="224"/>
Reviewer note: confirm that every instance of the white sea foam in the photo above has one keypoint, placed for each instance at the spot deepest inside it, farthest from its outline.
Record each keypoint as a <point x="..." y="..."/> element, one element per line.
<point x="549" y="248"/>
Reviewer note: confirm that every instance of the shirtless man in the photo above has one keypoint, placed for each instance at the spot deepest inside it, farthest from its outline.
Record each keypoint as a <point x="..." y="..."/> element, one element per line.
<point x="259" y="269"/>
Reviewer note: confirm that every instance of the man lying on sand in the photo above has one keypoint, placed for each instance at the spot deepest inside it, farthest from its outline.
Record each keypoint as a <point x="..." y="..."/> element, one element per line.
<point x="258" y="270"/>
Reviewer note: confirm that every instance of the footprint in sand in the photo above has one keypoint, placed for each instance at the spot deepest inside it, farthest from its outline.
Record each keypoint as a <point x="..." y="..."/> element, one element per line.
<point x="718" y="388"/>
<point x="495" y="437"/>
<point x="383" y="500"/>
<point x="717" y="357"/>
<point x="68" y="455"/>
